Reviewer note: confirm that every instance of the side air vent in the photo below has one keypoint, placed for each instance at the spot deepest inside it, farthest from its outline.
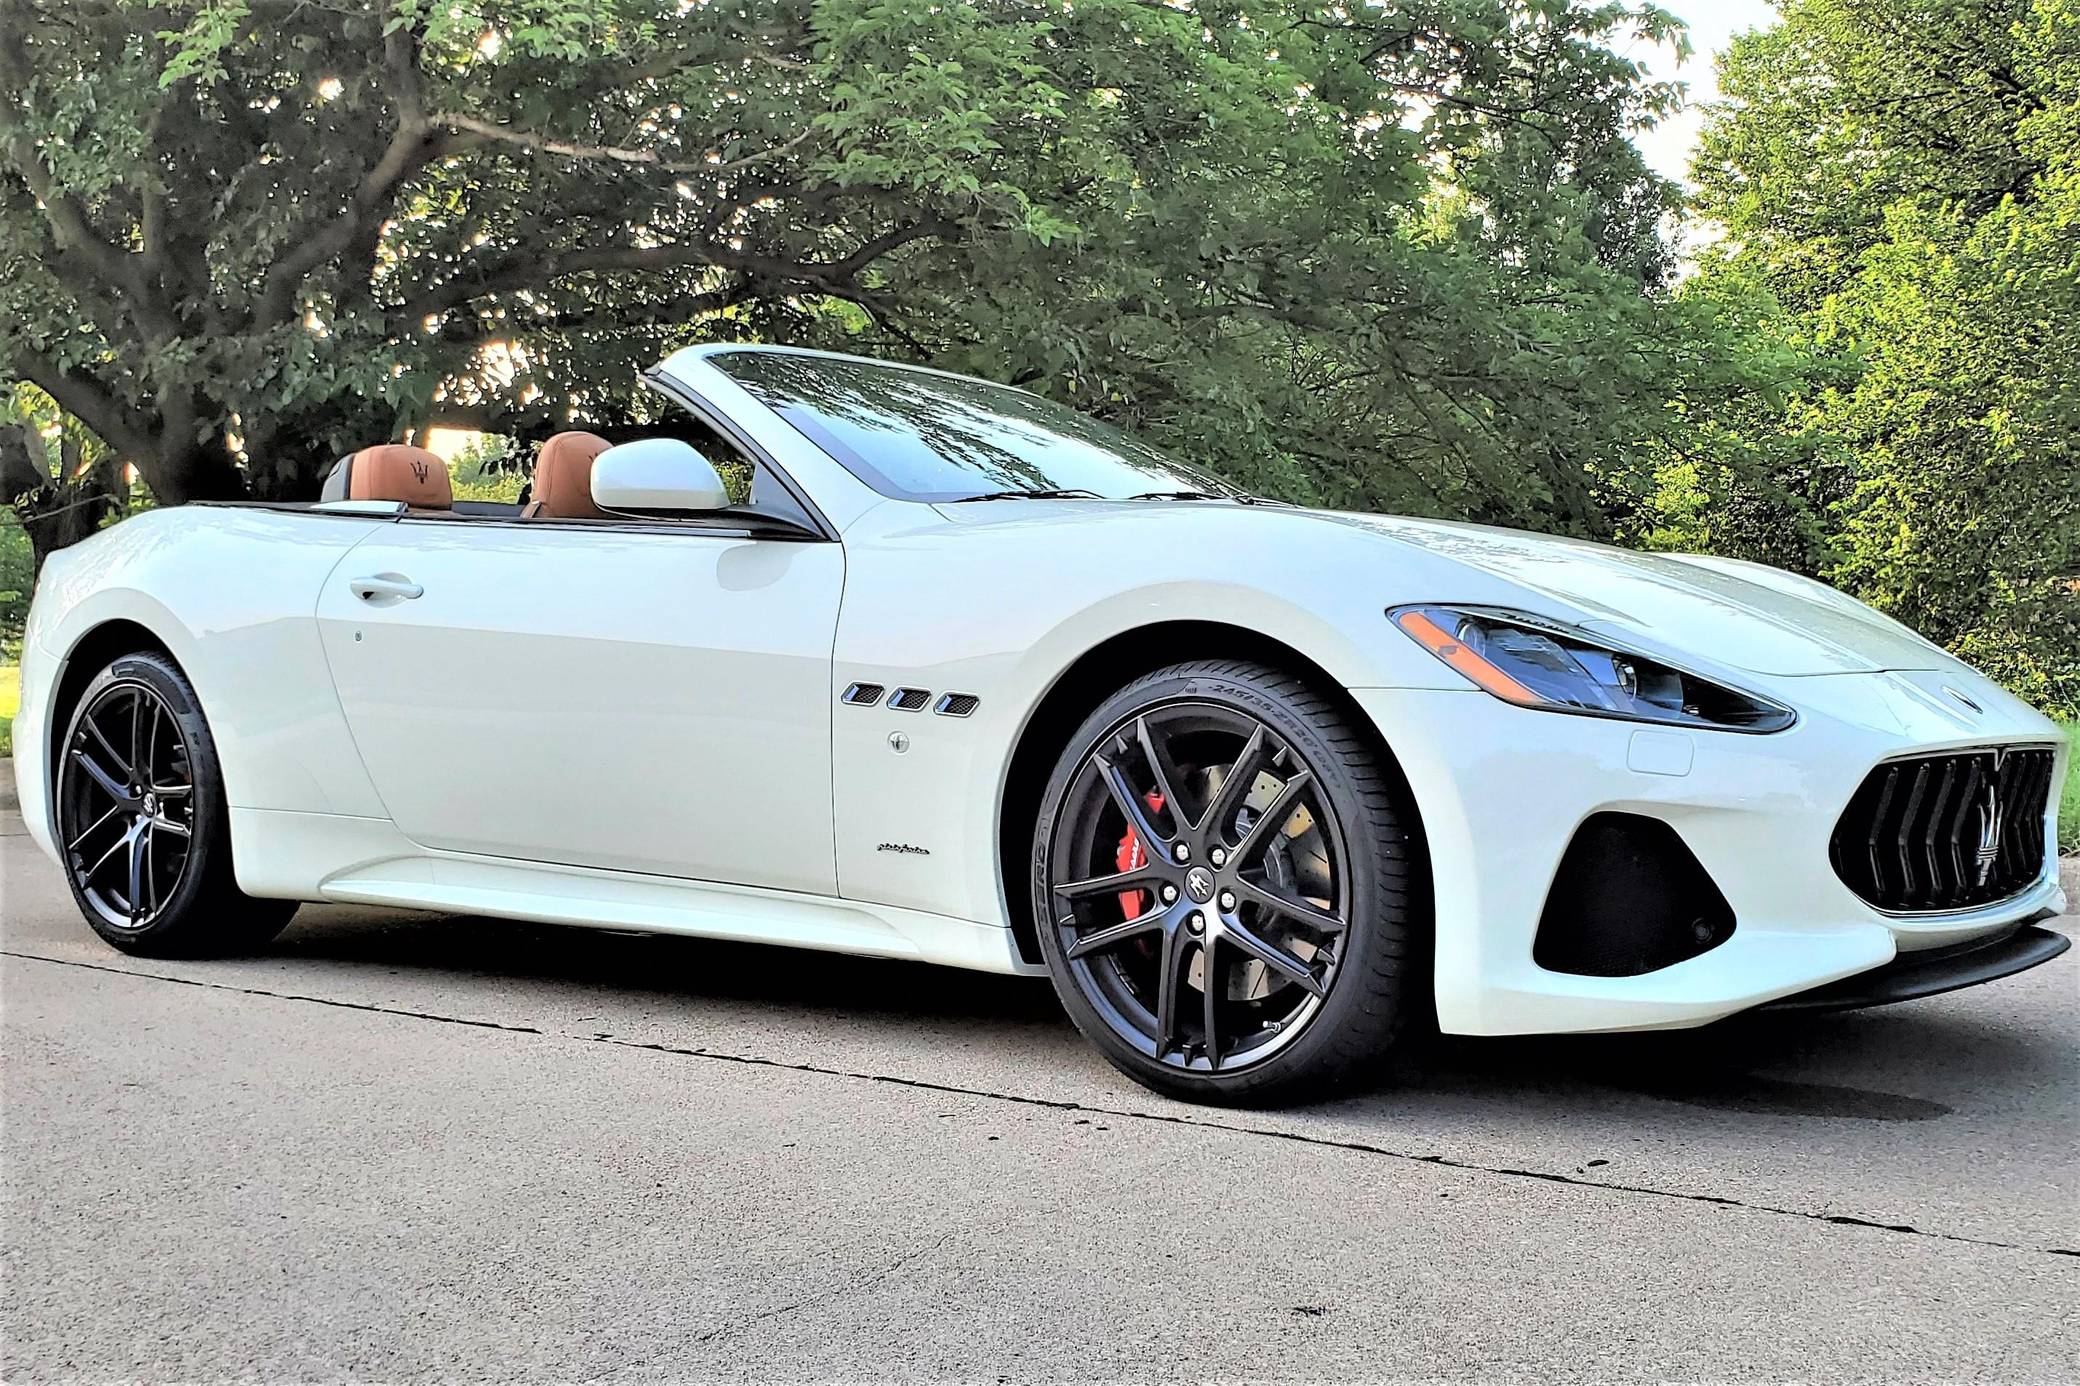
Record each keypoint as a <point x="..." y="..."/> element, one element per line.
<point x="1628" y="898"/>
<point x="862" y="694"/>
<point x="909" y="699"/>
<point x="957" y="704"/>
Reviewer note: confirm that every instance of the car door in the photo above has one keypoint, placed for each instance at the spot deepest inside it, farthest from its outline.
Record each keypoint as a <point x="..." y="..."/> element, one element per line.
<point x="649" y="697"/>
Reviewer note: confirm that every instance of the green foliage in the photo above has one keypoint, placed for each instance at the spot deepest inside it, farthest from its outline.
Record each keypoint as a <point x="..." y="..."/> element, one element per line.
<point x="1396" y="256"/>
<point x="17" y="582"/>
<point x="10" y="704"/>
<point x="489" y="468"/>
<point x="1402" y="256"/>
<point x="2069" y="799"/>
<point x="1899" y="181"/>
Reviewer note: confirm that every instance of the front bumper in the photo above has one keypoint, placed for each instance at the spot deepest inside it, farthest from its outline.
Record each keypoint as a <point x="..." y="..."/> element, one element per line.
<point x="1933" y="971"/>
<point x="1502" y="790"/>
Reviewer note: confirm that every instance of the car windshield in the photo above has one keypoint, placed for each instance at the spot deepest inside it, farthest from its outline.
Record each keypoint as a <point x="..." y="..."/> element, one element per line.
<point x="918" y="435"/>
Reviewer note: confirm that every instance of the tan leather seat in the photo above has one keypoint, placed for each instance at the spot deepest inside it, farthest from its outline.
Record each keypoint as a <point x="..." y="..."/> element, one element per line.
<point x="392" y="472"/>
<point x="563" y="479"/>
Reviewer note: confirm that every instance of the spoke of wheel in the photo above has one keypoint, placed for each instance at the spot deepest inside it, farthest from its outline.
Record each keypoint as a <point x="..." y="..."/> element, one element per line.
<point x="1160" y="769"/>
<point x="1130" y="804"/>
<point x="118" y="792"/>
<point x="151" y="750"/>
<point x="140" y="768"/>
<point x="93" y="827"/>
<point x="1273" y="819"/>
<point x="140" y="843"/>
<point x="1275" y="958"/>
<point x="1210" y="988"/>
<point x="114" y="847"/>
<point x="1139" y="878"/>
<point x="167" y="825"/>
<point x="173" y="791"/>
<point x="106" y="745"/>
<point x="1235" y="788"/>
<point x="1114" y="935"/>
<point x="1301" y="910"/>
<point x="1168" y="984"/>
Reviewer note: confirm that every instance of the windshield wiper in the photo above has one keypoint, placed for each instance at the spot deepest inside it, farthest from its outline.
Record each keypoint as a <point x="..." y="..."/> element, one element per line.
<point x="1239" y="499"/>
<point x="1065" y="494"/>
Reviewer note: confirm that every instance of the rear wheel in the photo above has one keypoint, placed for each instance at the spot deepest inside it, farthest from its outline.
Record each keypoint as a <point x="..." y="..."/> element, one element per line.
<point x="1221" y="881"/>
<point x="142" y="822"/>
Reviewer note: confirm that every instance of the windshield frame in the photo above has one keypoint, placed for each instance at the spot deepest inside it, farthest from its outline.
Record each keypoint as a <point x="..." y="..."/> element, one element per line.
<point x="1152" y="472"/>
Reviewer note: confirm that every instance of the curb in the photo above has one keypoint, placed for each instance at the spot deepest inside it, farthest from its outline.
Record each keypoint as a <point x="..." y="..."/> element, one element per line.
<point x="9" y="802"/>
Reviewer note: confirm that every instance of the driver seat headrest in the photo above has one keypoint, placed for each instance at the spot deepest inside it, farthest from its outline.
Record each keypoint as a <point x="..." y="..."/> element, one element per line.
<point x="391" y="472"/>
<point x="563" y="478"/>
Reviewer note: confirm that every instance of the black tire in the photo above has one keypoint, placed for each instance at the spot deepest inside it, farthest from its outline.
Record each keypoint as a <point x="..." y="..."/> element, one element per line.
<point x="180" y="899"/>
<point x="1373" y="969"/>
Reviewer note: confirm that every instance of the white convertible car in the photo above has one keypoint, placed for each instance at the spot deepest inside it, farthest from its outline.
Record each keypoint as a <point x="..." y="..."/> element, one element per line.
<point x="876" y="659"/>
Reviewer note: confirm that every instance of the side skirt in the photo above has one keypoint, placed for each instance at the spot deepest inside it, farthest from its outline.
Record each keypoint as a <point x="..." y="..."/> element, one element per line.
<point x="366" y="861"/>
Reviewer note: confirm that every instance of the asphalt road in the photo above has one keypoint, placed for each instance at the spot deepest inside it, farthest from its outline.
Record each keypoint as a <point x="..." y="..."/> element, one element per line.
<point x="399" y="1146"/>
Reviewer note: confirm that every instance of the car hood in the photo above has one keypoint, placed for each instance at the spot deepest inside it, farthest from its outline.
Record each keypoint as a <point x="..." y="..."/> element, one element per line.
<point x="1721" y="611"/>
<point x="1741" y="615"/>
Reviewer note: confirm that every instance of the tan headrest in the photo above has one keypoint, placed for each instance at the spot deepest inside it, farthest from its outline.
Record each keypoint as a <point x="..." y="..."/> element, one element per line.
<point x="563" y="478"/>
<point x="396" y="472"/>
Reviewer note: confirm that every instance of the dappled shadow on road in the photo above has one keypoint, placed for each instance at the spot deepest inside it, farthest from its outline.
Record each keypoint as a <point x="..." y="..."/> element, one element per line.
<point x="1901" y="1064"/>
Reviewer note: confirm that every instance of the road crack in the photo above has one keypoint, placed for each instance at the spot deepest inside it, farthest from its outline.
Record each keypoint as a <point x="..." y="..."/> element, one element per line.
<point x="1062" y="1105"/>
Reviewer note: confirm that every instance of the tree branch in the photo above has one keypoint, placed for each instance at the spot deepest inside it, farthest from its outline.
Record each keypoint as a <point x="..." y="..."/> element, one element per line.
<point x="87" y="401"/>
<point x="645" y="158"/>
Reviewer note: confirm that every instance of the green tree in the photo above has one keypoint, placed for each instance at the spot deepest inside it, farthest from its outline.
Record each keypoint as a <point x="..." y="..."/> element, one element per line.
<point x="1399" y="255"/>
<point x="1899" y="182"/>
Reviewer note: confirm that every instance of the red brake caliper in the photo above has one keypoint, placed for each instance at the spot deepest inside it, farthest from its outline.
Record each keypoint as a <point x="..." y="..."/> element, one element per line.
<point x="1131" y="857"/>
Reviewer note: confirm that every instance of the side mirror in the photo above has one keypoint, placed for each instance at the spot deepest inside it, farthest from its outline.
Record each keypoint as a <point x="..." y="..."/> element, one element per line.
<point x="656" y="474"/>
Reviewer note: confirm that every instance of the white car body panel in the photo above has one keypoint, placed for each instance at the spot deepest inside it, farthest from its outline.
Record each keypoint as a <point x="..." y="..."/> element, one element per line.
<point x="643" y="699"/>
<point x="642" y="728"/>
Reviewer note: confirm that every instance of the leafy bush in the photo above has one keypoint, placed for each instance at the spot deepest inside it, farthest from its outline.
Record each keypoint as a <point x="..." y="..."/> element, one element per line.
<point x="17" y="570"/>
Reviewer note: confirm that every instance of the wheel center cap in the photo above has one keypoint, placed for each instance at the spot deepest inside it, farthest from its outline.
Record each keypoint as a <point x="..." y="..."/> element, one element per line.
<point x="1198" y="883"/>
<point x="151" y="804"/>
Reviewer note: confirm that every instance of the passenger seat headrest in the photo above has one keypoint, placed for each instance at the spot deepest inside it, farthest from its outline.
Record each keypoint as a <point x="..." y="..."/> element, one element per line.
<point x="392" y="472"/>
<point x="563" y="478"/>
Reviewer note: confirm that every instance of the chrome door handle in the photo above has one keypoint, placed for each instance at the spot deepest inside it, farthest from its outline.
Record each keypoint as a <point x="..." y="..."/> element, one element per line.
<point x="385" y="588"/>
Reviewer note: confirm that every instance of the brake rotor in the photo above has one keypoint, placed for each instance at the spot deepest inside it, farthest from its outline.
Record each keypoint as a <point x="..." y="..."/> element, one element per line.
<point x="1296" y="862"/>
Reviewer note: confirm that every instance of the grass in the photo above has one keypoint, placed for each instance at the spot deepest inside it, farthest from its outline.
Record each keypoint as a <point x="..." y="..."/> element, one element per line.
<point x="2069" y="802"/>
<point x="10" y="703"/>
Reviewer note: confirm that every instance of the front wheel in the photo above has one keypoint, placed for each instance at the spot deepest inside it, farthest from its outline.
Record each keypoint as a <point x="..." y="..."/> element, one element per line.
<point x="142" y="822"/>
<point x="1223" y="887"/>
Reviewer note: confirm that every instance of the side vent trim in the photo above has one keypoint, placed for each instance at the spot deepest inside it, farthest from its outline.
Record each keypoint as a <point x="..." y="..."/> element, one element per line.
<point x="909" y="699"/>
<point x="861" y="695"/>
<point x="957" y="704"/>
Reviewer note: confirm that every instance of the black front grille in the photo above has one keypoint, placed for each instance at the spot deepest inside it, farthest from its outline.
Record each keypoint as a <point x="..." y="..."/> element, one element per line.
<point x="1946" y="832"/>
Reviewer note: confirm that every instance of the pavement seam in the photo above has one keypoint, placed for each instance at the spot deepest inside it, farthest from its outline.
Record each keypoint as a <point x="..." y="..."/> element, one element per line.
<point x="1064" y="1105"/>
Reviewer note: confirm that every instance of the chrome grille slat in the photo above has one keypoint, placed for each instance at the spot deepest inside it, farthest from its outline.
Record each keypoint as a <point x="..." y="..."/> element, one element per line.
<point x="1910" y="839"/>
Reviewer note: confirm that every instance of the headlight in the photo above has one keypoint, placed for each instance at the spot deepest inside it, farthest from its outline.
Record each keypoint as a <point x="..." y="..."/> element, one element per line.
<point x="1534" y="663"/>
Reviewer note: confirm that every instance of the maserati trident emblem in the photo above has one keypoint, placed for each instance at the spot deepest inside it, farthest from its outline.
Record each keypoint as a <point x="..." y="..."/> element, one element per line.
<point x="1989" y="832"/>
<point x="1198" y="883"/>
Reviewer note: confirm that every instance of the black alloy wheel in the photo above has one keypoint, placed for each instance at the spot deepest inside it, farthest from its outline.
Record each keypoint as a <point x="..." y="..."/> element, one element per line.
<point x="129" y="804"/>
<point x="142" y="821"/>
<point x="1222" y="885"/>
